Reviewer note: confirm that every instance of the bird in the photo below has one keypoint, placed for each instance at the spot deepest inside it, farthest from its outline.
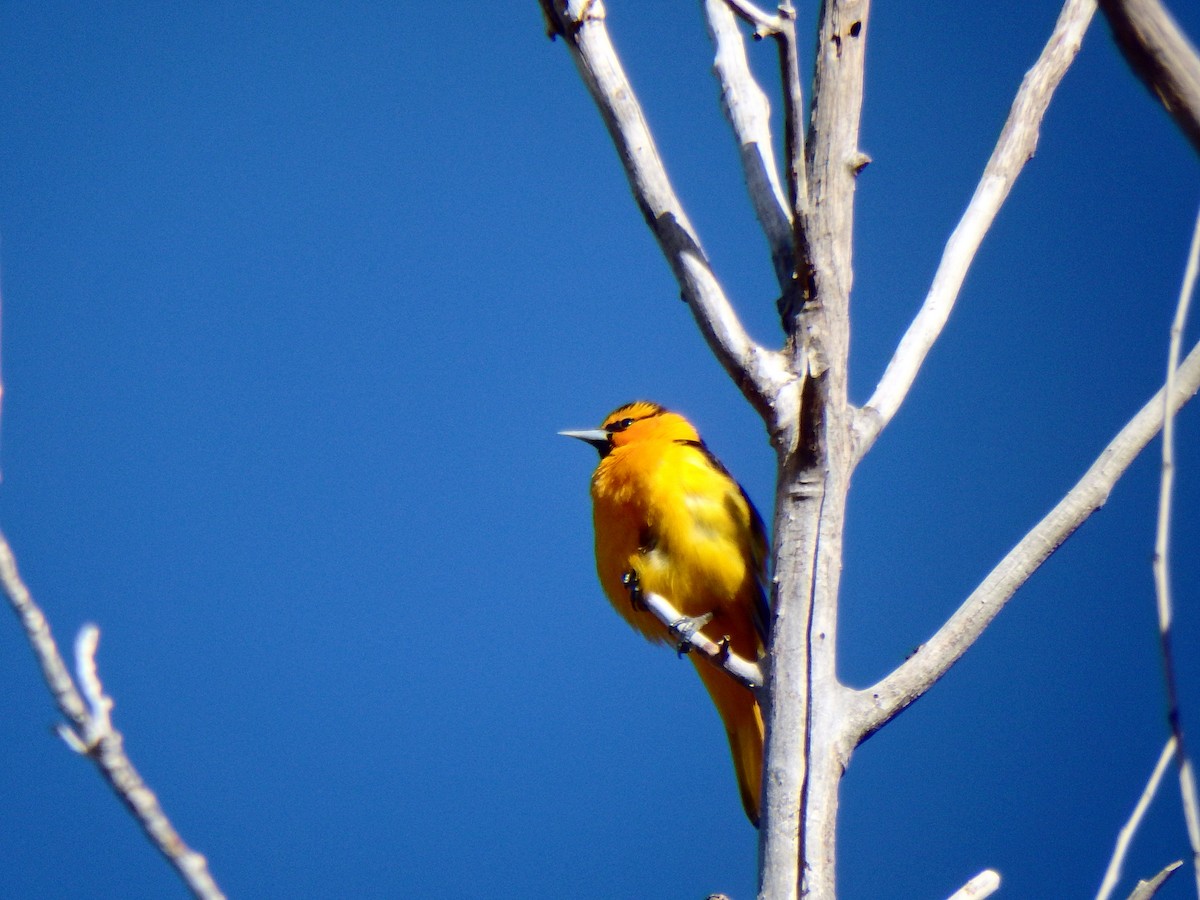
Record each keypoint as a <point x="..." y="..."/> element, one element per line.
<point x="670" y="520"/>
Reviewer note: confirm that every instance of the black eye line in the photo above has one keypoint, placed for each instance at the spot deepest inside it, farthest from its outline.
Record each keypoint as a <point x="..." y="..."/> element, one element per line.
<point x="622" y="425"/>
<point x="625" y="423"/>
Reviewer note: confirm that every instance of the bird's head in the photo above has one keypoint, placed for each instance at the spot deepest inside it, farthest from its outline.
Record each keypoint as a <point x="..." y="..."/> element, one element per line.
<point x="634" y="422"/>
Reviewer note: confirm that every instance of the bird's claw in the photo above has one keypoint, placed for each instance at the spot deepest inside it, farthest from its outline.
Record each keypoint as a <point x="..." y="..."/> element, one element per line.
<point x="723" y="649"/>
<point x="686" y="627"/>
<point x="630" y="580"/>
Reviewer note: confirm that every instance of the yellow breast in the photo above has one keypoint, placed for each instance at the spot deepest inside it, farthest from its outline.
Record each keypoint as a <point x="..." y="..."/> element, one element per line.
<point x="664" y="510"/>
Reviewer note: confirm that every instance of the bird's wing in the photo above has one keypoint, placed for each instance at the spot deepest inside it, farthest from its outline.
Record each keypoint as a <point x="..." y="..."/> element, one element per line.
<point x="759" y="545"/>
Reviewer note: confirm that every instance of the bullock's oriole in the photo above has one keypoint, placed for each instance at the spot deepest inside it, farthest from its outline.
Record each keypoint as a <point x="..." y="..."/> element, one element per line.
<point x="671" y="520"/>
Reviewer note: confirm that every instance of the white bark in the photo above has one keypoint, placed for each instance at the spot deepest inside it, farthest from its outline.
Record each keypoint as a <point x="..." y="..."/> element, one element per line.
<point x="806" y="753"/>
<point x="982" y="885"/>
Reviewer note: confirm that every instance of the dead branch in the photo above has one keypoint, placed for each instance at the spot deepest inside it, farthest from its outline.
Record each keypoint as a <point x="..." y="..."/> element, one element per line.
<point x="878" y="704"/>
<point x="1014" y="148"/>
<point x="90" y="731"/>
<point x="749" y="114"/>
<point x="982" y="885"/>
<point x="759" y="373"/>
<point x="1161" y="559"/>
<point x="1113" y="873"/>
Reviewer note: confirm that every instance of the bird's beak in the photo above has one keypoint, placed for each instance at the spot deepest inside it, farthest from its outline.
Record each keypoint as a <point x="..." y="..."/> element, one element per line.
<point x="598" y="438"/>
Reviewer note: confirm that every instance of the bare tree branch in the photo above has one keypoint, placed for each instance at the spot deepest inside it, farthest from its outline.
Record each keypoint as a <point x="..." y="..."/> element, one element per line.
<point x="802" y="287"/>
<point x="806" y="752"/>
<point x="1015" y="147"/>
<point x="782" y="27"/>
<point x="749" y="114"/>
<point x="1147" y="889"/>
<point x="758" y="372"/>
<point x="982" y="885"/>
<point x="91" y="732"/>
<point x="1161" y="564"/>
<point x="833" y="158"/>
<point x="1161" y="55"/>
<point x="878" y="704"/>
<point x="745" y="671"/>
<point x="1113" y="873"/>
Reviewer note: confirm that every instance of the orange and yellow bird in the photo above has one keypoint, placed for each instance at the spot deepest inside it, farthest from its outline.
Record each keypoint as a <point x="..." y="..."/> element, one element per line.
<point x="670" y="520"/>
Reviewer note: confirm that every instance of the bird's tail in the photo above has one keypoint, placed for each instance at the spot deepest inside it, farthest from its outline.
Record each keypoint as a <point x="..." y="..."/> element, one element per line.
<point x="744" y="727"/>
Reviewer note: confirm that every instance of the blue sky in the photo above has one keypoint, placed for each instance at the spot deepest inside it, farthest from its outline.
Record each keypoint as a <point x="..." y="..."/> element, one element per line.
<point x="296" y="297"/>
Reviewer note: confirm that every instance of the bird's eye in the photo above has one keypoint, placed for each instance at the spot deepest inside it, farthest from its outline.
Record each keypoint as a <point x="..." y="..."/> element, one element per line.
<point x="620" y="426"/>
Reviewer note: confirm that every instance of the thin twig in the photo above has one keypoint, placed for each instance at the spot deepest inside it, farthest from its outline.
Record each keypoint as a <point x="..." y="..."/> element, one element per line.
<point x="749" y="114"/>
<point x="1015" y="147"/>
<point x="787" y="227"/>
<point x="1113" y="873"/>
<point x="1147" y="889"/>
<point x="1161" y="564"/>
<point x="801" y="288"/>
<point x="91" y="732"/>
<point x="99" y="704"/>
<point x="759" y="373"/>
<point x="782" y="27"/>
<point x="982" y="885"/>
<point x="1159" y="52"/>
<point x="742" y="670"/>
<point x="882" y="702"/>
<point x="794" y="124"/>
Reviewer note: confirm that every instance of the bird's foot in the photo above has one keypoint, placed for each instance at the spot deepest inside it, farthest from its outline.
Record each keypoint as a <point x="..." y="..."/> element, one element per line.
<point x="724" y="651"/>
<point x="686" y="627"/>
<point x="630" y="580"/>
